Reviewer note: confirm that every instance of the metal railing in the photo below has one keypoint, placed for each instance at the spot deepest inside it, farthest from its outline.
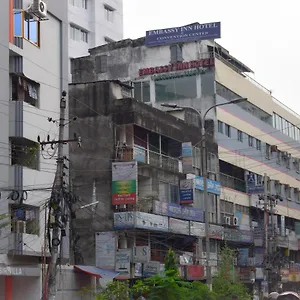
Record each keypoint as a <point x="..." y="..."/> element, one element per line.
<point x="152" y="158"/>
<point x="232" y="182"/>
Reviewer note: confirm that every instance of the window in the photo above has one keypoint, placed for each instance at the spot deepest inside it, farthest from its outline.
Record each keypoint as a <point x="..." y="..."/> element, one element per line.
<point x="288" y="192"/>
<point x="109" y="13"/>
<point x="240" y="136"/>
<point x="26" y="26"/>
<point x="268" y="151"/>
<point x="220" y="127"/>
<point x="107" y="40"/>
<point x="24" y="89"/>
<point x="79" y="3"/>
<point x="25" y="153"/>
<point x="228" y="130"/>
<point x="168" y="192"/>
<point x="278" y="188"/>
<point x="31" y="29"/>
<point x="176" y="53"/>
<point x="101" y="63"/>
<point x="297" y="195"/>
<point x="278" y="157"/>
<point x="258" y="144"/>
<point x="78" y="34"/>
<point x="142" y="91"/>
<point x="178" y="88"/>
<point x="18" y="24"/>
<point x="250" y="141"/>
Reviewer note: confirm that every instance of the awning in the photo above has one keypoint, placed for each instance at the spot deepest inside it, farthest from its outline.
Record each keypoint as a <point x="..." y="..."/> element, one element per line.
<point x="97" y="272"/>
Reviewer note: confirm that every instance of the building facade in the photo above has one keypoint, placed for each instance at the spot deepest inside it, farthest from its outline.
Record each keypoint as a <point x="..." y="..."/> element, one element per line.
<point x="256" y="138"/>
<point x="131" y="170"/>
<point x="34" y="72"/>
<point x="93" y="23"/>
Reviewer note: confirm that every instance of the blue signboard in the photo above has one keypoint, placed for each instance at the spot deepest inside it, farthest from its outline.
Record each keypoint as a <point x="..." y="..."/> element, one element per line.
<point x="253" y="188"/>
<point x="187" y="149"/>
<point x="183" y="34"/>
<point x="213" y="187"/>
<point x="243" y="257"/>
<point x="186" y="196"/>
<point x="185" y="212"/>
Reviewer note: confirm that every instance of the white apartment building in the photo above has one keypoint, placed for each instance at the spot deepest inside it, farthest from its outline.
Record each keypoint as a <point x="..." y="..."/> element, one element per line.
<point x="93" y="23"/>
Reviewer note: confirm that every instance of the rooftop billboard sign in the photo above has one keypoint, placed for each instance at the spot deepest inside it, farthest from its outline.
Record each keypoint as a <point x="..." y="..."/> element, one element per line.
<point x="188" y="33"/>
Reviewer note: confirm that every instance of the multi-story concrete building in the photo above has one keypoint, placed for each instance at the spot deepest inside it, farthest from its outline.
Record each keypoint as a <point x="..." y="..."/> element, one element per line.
<point x="256" y="137"/>
<point x="33" y="72"/>
<point x="141" y="144"/>
<point x="93" y="23"/>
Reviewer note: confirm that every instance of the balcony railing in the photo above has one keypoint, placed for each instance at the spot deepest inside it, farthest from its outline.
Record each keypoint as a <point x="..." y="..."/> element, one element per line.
<point x="232" y="183"/>
<point x="150" y="157"/>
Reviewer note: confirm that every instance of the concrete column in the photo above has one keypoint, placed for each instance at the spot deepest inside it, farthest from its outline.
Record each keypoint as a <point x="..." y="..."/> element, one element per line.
<point x="8" y="288"/>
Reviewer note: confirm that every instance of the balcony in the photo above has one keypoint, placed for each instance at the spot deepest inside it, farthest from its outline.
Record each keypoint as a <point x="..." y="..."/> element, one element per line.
<point x="233" y="182"/>
<point x="152" y="158"/>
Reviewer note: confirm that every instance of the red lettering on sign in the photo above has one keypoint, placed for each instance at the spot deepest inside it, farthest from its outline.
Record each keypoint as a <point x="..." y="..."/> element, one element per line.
<point x="205" y="62"/>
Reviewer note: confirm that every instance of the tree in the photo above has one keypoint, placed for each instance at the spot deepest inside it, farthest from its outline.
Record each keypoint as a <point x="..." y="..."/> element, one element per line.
<point x="170" y="261"/>
<point x="115" y="290"/>
<point x="225" y="284"/>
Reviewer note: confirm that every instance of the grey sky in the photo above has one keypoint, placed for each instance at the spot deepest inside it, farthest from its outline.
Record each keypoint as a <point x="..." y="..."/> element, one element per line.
<point x="263" y="34"/>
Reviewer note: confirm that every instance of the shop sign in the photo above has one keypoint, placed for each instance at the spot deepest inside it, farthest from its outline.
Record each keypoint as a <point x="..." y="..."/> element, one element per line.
<point x="202" y="63"/>
<point x="284" y="273"/>
<point x="105" y="249"/>
<point x="11" y="271"/>
<point x="141" y="254"/>
<point x="186" y="191"/>
<point x="216" y="232"/>
<point x="194" y="272"/>
<point x="151" y="268"/>
<point x="151" y="222"/>
<point x="177" y="211"/>
<point x="123" y="257"/>
<point x="213" y="187"/>
<point x="124" y="220"/>
<point x="197" y="229"/>
<point x="179" y="226"/>
<point x="183" y="34"/>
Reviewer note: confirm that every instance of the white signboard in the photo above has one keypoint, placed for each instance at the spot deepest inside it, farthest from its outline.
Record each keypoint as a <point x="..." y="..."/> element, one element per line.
<point x="11" y="271"/>
<point x="151" y="268"/>
<point x="179" y="226"/>
<point x="124" y="220"/>
<point x="141" y="254"/>
<point x="105" y="249"/>
<point x="151" y="222"/>
<point x="123" y="257"/>
<point x="197" y="229"/>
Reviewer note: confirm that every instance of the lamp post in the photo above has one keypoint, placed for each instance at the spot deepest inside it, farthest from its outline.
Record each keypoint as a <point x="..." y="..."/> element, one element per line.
<point x="205" y="173"/>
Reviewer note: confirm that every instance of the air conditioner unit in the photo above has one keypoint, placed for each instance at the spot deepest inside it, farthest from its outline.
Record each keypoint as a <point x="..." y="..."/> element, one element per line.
<point x="235" y="221"/>
<point x="227" y="221"/>
<point x="38" y="8"/>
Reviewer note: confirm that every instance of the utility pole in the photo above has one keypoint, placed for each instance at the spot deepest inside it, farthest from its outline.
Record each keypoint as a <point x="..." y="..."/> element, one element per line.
<point x="266" y="228"/>
<point x="57" y="205"/>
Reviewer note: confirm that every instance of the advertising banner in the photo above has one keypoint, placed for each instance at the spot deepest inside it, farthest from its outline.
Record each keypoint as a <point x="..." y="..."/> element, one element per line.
<point x="124" y="182"/>
<point x="186" y="190"/>
<point x="179" y="226"/>
<point x="216" y="232"/>
<point x="105" y="249"/>
<point x="123" y="220"/>
<point x="151" y="268"/>
<point x="197" y="229"/>
<point x="213" y="187"/>
<point x="243" y="257"/>
<point x="141" y="254"/>
<point x="188" y="33"/>
<point x="178" y="211"/>
<point x="151" y="222"/>
<point x="123" y="257"/>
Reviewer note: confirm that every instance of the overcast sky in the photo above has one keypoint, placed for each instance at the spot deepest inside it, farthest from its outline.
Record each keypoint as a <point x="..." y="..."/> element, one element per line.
<point x="263" y="34"/>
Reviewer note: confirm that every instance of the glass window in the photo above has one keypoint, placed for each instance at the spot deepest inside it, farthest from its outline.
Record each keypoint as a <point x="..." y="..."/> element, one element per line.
<point x="31" y="29"/>
<point x="258" y="144"/>
<point x="176" y="89"/>
<point x="109" y="13"/>
<point x="268" y="151"/>
<point x="84" y="4"/>
<point x="18" y="24"/>
<point x="250" y="141"/>
<point x="240" y="136"/>
<point x="142" y="91"/>
<point x="278" y="157"/>
<point x="220" y="127"/>
<point x="228" y="130"/>
<point x="176" y="53"/>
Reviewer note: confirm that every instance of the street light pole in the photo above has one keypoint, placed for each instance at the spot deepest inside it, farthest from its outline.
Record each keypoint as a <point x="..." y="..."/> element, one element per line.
<point x="205" y="174"/>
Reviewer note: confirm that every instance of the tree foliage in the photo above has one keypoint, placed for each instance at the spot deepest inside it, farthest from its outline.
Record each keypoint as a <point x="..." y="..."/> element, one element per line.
<point x="225" y="284"/>
<point x="170" y="261"/>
